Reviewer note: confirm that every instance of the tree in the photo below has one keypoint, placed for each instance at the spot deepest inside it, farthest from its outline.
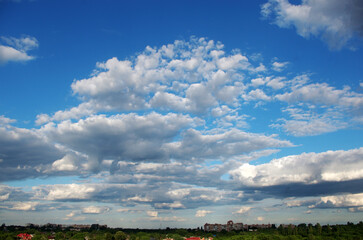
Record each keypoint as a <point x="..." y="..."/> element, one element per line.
<point x="310" y="229"/>
<point x="79" y="236"/>
<point x="289" y="230"/>
<point x="318" y="229"/>
<point x="108" y="236"/>
<point x="59" y="236"/>
<point x="119" y="235"/>
<point x="281" y="229"/>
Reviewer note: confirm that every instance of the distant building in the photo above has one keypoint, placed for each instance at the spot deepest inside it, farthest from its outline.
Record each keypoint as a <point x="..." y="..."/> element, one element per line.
<point x="230" y="226"/>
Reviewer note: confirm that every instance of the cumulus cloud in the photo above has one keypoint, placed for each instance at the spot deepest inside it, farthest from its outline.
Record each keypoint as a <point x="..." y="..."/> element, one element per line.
<point x="152" y="213"/>
<point x="309" y="127"/>
<point x="65" y="192"/>
<point x="355" y="209"/>
<point x="36" y="152"/>
<point x="189" y="77"/>
<point x="119" y="136"/>
<point x="198" y="78"/>
<point x="15" y="49"/>
<point x="9" y="194"/>
<point x="67" y="163"/>
<point x="335" y="22"/>
<point x="279" y="66"/>
<point x="322" y="93"/>
<point x="168" y="219"/>
<point x="202" y="213"/>
<point x="5" y="121"/>
<point x="318" y="108"/>
<point x="222" y="145"/>
<point x="353" y="202"/>
<point x="243" y="210"/>
<point x="348" y="200"/>
<point x="173" y="205"/>
<point x="95" y="210"/>
<point x="24" y="206"/>
<point x="170" y="136"/>
<point x="307" y="168"/>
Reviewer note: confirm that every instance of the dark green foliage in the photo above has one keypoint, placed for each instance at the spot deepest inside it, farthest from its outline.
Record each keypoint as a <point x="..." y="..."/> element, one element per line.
<point x="350" y="231"/>
<point x="119" y="235"/>
<point x="79" y="236"/>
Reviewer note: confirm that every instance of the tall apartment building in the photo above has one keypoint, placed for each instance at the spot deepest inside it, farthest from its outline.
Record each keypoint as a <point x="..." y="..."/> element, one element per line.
<point x="230" y="226"/>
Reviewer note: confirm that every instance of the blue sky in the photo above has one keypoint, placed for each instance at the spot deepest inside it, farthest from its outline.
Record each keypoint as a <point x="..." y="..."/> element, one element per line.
<point x="178" y="113"/>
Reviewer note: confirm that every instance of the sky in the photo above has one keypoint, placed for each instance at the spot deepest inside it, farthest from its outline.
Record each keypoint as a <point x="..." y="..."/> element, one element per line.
<point x="154" y="114"/>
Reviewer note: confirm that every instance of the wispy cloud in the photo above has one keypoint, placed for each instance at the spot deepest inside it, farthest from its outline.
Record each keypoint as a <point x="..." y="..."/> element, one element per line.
<point x="16" y="49"/>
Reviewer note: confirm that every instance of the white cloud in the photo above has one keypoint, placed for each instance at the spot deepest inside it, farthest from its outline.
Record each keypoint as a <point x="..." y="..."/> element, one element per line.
<point x="4" y="197"/>
<point x="139" y="199"/>
<point x="260" y="219"/>
<point x="84" y="109"/>
<point x="220" y="111"/>
<point x="119" y="136"/>
<point x="36" y="152"/>
<point x="16" y="49"/>
<point x="348" y="200"/>
<point x="223" y="145"/>
<point x="355" y="209"/>
<point x="67" y="163"/>
<point x="152" y="213"/>
<point x="65" y="191"/>
<point x="9" y="54"/>
<point x="23" y="43"/>
<point x="310" y="127"/>
<point x="318" y="108"/>
<point x="5" y="121"/>
<point x="243" y="210"/>
<point x="199" y="78"/>
<point x="322" y="93"/>
<point x="173" y="205"/>
<point x="335" y="22"/>
<point x="187" y="150"/>
<point x="276" y="83"/>
<point x="190" y="77"/>
<point x="258" y="81"/>
<point x="307" y="168"/>
<point x="256" y="95"/>
<point x="202" y="213"/>
<point x="95" y="210"/>
<point x="25" y="206"/>
<point x="352" y="201"/>
<point x="71" y="214"/>
<point x="168" y="219"/>
<point x="279" y="66"/>
<point x="231" y="62"/>
<point x="179" y="193"/>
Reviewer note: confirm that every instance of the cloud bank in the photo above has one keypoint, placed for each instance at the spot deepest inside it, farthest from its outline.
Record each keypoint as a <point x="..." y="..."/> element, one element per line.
<point x="169" y="129"/>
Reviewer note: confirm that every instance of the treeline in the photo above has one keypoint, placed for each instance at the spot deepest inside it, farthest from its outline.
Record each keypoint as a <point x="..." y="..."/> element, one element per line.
<point x="302" y="231"/>
<point x="349" y="231"/>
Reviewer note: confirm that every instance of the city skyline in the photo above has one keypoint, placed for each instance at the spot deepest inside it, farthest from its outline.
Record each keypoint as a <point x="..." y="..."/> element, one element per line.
<point x="142" y="113"/>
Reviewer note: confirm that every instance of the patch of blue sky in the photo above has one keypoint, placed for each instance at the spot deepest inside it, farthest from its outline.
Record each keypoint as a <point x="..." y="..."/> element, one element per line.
<point x="27" y="184"/>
